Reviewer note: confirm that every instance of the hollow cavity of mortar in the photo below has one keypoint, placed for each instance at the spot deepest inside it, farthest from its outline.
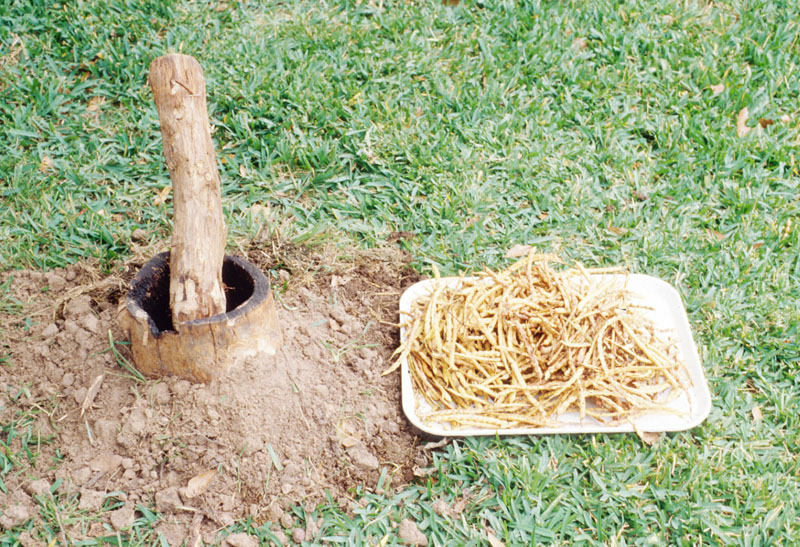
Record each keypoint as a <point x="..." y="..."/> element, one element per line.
<point x="152" y="294"/>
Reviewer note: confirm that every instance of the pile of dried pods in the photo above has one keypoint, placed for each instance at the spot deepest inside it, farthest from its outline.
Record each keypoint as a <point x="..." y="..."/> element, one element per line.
<point x="518" y="347"/>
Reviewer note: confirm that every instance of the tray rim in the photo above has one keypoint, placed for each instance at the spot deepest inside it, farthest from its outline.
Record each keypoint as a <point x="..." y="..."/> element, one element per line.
<point x="701" y="402"/>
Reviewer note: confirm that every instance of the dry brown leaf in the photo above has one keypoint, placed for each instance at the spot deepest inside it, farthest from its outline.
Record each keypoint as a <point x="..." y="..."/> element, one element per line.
<point x="719" y="236"/>
<point x="349" y="441"/>
<point x="787" y="229"/>
<point x="519" y="250"/>
<point x="91" y="393"/>
<point x="493" y="540"/>
<point x="757" y="245"/>
<point x="17" y="47"/>
<point x="423" y="472"/>
<point x="757" y="415"/>
<point x="649" y="437"/>
<point x="765" y="122"/>
<point x="437" y="444"/>
<point x="199" y="483"/>
<point x="163" y="195"/>
<point x="717" y="89"/>
<point x="579" y="43"/>
<point x="617" y="230"/>
<point x="95" y="103"/>
<point x="46" y="164"/>
<point x="260" y="212"/>
<point x="741" y="122"/>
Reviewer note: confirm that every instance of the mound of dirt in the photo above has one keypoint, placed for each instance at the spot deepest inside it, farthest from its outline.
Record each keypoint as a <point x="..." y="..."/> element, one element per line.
<point x="316" y="417"/>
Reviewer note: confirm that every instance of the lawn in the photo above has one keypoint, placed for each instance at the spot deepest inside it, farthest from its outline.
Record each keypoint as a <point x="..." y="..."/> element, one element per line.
<point x="614" y="133"/>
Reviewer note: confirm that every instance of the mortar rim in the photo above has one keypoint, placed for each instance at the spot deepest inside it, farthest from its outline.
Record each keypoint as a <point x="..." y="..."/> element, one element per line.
<point x="159" y="266"/>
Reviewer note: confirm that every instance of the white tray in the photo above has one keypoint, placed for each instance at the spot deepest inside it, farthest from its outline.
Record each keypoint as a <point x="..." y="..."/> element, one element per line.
<point x="668" y="314"/>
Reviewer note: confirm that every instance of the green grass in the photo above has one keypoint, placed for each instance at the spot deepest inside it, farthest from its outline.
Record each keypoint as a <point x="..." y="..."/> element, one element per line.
<point x="586" y="128"/>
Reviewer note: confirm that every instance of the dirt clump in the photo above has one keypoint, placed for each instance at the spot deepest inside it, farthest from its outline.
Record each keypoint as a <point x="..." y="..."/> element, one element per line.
<point x="317" y="417"/>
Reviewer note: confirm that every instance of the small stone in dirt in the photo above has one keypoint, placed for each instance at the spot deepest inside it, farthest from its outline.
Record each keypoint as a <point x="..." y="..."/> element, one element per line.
<point x="78" y="307"/>
<point x="50" y="331"/>
<point x="81" y="476"/>
<point x="106" y="462"/>
<point x="79" y="395"/>
<point x="274" y="512"/>
<point x="68" y="379"/>
<point x="352" y="327"/>
<point x="105" y="430"/>
<point x="410" y="534"/>
<point x="168" y="500"/>
<point x="210" y="537"/>
<point x="137" y="421"/>
<point x="287" y="520"/>
<point x="340" y="315"/>
<point x="241" y="540"/>
<point x="367" y="353"/>
<point x="225" y="519"/>
<point x="37" y="487"/>
<point x="390" y="427"/>
<point x="138" y="235"/>
<point x="123" y="517"/>
<point x="14" y="515"/>
<point x="160" y="393"/>
<point x="281" y="537"/>
<point x="91" y="500"/>
<point x="26" y="540"/>
<point x="174" y="533"/>
<point x="95" y="529"/>
<point x="312" y="528"/>
<point x="181" y="388"/>
<point x="55" y="282"/>
<point x="298" y="535"/>
<point x="441" y="508"/>
<point x="91" y="323"/>
<point x="363" y="458"/>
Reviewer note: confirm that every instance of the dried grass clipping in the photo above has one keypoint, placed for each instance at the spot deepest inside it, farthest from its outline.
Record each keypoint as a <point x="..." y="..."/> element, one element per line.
<point x="518" y="347"/>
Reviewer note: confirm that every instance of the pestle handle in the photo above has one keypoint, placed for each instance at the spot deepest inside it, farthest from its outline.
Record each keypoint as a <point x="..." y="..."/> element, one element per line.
<point x="198" y="233"/>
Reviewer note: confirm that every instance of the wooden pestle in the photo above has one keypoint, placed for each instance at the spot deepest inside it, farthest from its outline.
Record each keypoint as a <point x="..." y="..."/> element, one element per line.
<point x="198" y="233"/>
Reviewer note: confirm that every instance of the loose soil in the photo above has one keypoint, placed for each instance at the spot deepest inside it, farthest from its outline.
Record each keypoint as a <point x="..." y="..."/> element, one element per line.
<point x="317" y="417"/>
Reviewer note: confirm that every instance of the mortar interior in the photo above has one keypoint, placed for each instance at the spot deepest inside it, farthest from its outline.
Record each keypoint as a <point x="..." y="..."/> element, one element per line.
<point x="150" y="289"/>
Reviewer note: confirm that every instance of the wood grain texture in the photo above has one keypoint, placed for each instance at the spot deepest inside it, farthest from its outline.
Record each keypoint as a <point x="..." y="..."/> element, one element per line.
<point x="203" y="349"/>
<point x="199" y="233"/>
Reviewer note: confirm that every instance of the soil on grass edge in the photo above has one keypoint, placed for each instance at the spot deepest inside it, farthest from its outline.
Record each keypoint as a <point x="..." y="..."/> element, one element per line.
<point x="316" y="418"/>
